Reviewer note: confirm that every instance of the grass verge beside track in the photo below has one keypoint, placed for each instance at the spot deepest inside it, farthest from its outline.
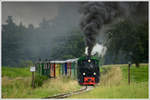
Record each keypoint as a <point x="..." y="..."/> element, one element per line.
<point x="16" y="83"/>
<point x="114" y="84"/>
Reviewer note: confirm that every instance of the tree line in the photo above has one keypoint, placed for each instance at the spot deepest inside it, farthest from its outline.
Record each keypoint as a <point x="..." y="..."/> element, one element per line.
<point x="23" y="45"/>
<point x="130" y="40"/>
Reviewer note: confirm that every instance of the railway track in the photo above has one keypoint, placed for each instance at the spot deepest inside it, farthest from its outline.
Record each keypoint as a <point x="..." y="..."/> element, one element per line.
<point x="65" y="95"/>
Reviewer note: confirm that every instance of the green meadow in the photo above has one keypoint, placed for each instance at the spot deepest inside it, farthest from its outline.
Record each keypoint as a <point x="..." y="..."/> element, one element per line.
<point x="13" y="72"/>
<point x="16" y="83"/>
<point x="137" y="74"/>
<point x="114" y="84"/>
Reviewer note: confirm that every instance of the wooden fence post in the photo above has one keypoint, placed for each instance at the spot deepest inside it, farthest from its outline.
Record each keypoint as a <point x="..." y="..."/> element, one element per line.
<point x="130" y="62"/>
<point x="33" y="86"/>
<point x="32" y="69"/>
<point x="129" y="65"/>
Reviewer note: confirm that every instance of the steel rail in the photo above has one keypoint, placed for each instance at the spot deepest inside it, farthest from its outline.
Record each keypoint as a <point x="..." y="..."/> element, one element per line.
<point x="65" y="95"/>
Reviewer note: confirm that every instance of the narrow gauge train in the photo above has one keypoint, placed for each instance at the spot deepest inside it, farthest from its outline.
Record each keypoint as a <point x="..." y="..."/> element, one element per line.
<point x="88" y="72"/>
<point x="85" y="68"/>
<point x="54" y="69"/>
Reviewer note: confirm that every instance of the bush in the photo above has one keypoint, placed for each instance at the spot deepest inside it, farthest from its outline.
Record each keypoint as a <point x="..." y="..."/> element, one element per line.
<point x="39" y="79"/>
<point x="25" y="63"/>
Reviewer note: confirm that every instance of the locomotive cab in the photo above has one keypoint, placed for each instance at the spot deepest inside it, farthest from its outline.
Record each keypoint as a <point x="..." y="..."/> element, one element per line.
<point x="88" y="71"/>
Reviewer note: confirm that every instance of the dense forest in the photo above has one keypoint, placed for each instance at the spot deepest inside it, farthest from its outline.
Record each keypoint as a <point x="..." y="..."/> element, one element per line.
<point x="129" y="40"/>
<point x="22" y="46"/>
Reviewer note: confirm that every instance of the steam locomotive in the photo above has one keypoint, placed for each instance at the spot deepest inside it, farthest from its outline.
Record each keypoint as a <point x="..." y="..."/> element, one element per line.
<point x="85" y="68"/>
<point x="88" y="72"/>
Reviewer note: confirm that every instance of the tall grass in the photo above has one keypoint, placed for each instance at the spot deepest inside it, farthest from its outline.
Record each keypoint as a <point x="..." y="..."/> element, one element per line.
<point x="137" y="74"/>
<point x="16" y="83"/>
<point x="39" y="80"/>
<point x="135" y="90"/>
<point x="21" y="88"/>
<point x="114" y="84"/>
<point x="13" y="72"/>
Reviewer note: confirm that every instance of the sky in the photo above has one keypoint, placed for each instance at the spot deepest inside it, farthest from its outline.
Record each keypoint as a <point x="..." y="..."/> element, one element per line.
<point x="33" y="12"/>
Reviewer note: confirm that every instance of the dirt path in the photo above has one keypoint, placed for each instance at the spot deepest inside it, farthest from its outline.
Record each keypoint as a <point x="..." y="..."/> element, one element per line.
<point x="113" y="77"/>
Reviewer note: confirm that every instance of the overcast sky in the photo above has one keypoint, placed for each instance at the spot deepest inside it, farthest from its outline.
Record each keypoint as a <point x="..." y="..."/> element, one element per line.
<point x="33" y="12"/>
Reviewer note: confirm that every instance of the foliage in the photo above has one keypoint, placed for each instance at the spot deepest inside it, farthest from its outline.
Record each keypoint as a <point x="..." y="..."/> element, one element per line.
<point x="130" y="39"/>
<point x="25" y="63"/>
<point x="11" y="36"/>
<point x="21" y="88"/>
<point x="18" y="85"/>
<point x="21" y="44"/>
<point x="39" y="80"/>
<point x="72" y="47"/>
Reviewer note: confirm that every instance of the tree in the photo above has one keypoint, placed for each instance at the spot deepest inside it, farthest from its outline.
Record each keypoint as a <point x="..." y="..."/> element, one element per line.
<point x="44" y="24"/>
<point x="8" y="44"/>
<point x="130" y="38"/>
<point x="72" y="47"/>
<point x="12" y="41"/>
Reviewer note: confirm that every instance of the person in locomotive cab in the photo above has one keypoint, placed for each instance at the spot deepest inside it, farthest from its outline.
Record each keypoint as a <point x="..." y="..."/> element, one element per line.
<point x="88" y="71"/>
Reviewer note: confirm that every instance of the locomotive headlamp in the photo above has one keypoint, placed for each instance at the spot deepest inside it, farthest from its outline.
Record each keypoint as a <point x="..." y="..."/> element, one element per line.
<point x="89" y="60"/>
<point x="94" y="73"/>
<point x="83" y="73"/>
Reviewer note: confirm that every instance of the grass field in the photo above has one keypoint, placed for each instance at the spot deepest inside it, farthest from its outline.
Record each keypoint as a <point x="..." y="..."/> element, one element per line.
<point x="16" y="83"/>
<point x="137" y="74"/>
<point x="114" y="84"/>
<point x="15" y="72"/>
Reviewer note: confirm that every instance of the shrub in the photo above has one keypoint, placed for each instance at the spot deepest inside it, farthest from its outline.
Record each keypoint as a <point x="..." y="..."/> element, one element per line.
<point x="39" y="79"/>
<point x="25" y="63"/>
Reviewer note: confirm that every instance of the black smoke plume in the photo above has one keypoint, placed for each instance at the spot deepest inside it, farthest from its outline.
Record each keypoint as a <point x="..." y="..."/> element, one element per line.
<point x="96" y="14"/>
